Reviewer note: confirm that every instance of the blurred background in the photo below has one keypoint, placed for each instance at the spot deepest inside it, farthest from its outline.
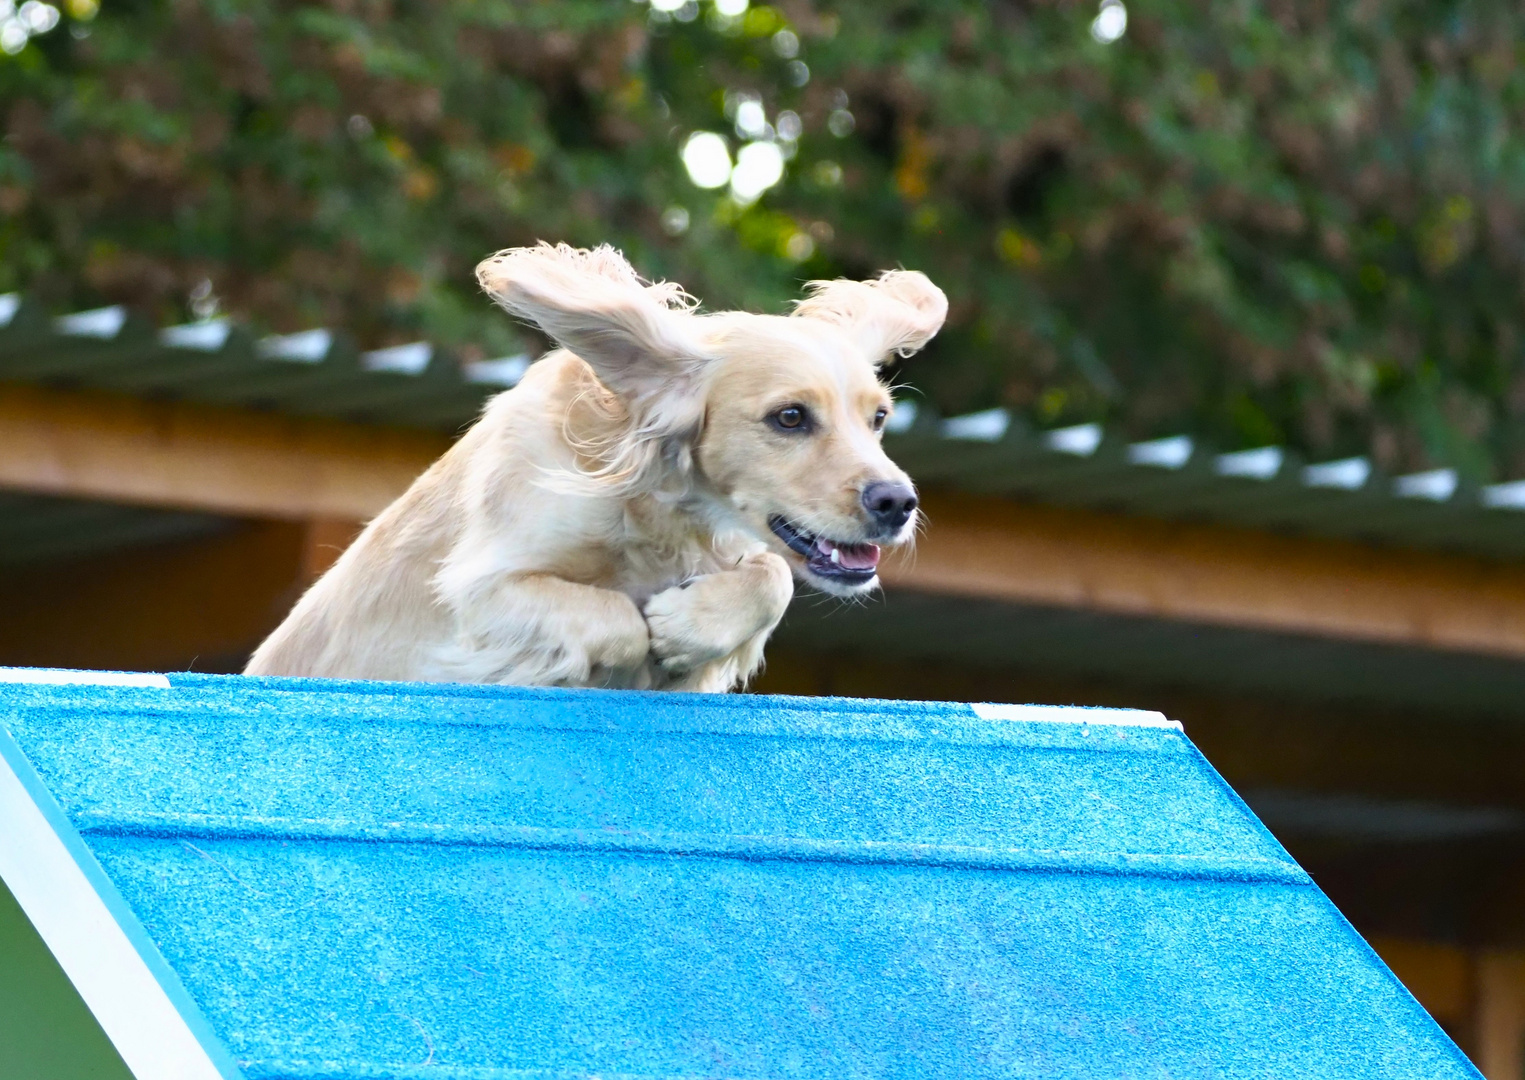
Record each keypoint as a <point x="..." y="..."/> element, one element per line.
<point x="1228" y="419"/>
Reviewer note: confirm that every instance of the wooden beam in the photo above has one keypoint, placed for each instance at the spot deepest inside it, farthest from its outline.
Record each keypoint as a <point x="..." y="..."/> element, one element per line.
<point x="1500" y="1031"/>
<point x="253" y="464"/>
<point x="89" y="445"/>
<point x="997" y="548"/>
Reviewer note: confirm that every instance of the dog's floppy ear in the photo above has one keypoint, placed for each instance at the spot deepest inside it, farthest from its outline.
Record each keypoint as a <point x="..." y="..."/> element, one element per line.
<point x="897" y="313"/>
<point x="637" y="336"/>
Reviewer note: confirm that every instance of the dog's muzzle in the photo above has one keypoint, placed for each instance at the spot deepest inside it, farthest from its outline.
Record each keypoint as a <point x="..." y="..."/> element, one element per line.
<point x="832" y="560"/>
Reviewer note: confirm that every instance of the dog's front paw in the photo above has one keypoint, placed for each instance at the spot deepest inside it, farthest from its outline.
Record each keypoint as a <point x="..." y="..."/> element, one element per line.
<point x="770" y="586"/>
<point x="713" y="616"/>
<point x="679" y="644"/>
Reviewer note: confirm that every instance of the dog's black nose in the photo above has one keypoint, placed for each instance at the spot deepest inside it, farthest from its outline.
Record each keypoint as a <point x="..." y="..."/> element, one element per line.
<point x="889" y="504"/>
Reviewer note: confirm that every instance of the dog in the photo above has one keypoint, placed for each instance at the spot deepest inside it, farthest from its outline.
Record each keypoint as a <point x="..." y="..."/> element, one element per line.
<point x="635" y="512"/>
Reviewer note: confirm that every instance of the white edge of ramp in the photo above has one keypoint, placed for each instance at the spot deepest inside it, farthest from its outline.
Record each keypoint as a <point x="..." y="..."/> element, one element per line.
<point x="133" y="994"/>
<point x="1073" y="714"/>
<point x="69" y="677"/>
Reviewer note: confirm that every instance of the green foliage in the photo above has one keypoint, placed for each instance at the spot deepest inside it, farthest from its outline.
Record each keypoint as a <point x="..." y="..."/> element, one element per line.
<point x="1280" y="222"/>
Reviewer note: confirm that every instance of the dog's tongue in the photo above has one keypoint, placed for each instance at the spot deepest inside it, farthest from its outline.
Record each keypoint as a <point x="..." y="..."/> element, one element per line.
<point x="851" y="556"/>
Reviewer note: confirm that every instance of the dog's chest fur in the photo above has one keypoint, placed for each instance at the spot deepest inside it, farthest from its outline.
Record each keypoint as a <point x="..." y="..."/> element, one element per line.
<point x="663" y="543"/>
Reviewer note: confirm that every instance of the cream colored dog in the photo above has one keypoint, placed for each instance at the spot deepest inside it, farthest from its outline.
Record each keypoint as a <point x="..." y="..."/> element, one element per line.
<point x="633" y="512"/>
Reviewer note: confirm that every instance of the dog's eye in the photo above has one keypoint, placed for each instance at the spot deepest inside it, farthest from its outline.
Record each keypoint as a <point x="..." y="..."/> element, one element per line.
<point x="880" y="416"/>
<point x="790" y="418"/>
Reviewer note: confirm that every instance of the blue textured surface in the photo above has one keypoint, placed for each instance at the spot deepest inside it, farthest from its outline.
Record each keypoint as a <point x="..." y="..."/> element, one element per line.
<point x="374" y="880"/>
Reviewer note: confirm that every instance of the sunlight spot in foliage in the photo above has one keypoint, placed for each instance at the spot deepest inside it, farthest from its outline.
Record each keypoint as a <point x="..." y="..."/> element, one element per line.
<point x="19" y="26"/>
<point x="721" y="23"/>
<point x="799" y="247"/>
<point x="762" y="22"/>
<point x="203" y="300"/>
<point x="731" y="9"/>
<point x="787" y="44"/>
<point x="38" y="17"/>
<point x="828" y="174"/>
<point x="759" y="165"/>
<point x="83" y="10"/>
<point x="668" y="6"/>
<point x="675" y="221"/>
<point x="1110" y="22"/>
<point x="840" y="123"/>
<point x="707" y="159"/>
<point x="751" y="121"/>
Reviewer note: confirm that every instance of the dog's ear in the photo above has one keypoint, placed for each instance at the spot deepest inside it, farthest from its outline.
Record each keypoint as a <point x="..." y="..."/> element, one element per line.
<point x="637" y="336"/>
<point x="897" y="313"/>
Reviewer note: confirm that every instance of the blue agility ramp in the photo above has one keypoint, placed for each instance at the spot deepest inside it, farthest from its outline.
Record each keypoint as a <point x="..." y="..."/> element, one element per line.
<point x="313" y="880"/>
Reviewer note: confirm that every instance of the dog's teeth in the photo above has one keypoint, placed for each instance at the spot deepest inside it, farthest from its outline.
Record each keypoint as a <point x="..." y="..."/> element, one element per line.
<point x="836" y="556"/>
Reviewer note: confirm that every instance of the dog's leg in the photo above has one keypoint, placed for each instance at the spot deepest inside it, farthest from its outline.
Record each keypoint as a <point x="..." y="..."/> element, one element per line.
<point x="708" y="633"/>
<point x="536" y="629"/>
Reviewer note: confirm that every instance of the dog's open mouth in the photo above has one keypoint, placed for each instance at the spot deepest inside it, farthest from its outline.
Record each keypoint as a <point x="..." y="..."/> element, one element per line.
<point x="851" y="564"/>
